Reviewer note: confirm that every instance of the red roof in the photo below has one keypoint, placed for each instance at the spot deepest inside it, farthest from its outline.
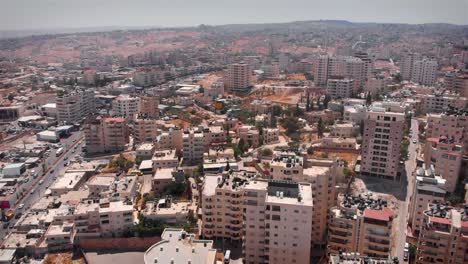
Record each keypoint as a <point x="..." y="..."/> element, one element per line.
<point x="383" y="215"/>
<point x="440" y="220"/>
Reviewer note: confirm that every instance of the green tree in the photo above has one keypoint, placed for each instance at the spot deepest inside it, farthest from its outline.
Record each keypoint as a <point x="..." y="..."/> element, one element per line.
<point x="369" y="99"/>
<point x="11" y="96"/>
<point x="267" y="152"/>
<point x="326" y="100"/>
<point x="291" y="124"/>
<point x="308" y="102"/>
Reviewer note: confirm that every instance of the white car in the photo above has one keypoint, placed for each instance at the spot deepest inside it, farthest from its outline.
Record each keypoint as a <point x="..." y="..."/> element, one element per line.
<point x="406" y="252"/>
<point x="415" y="141"/>
<point x="21" y="206"/>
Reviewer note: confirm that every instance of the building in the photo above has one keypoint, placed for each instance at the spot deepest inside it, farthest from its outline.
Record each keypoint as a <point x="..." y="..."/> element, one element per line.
<point x="145" y="151"/>
<point x="377" y="85"/>
<point x="238" y="77"/>
<point x="9" y="113"/>
<point x="429" y="188"/>
<point x="165" y="159"/>
<point x="446" y="158"/>
<point x="177" y="246"/>
<point x="144" y="129"/>
<point x="439" y="103"/>
<point x="452" y="124"/>
<point x="356" y="258"/>
<point x="106" y="134"/>
<point x="126" y="106"/>
<point x="278" y="226"/>
<point x="222" y="203"/>
<point x="444" y="235"/>
<point x="424" y="72"/>
<point x="161" y="179"/>
<point x="340" y="88"/>
<point x="382" y="138"/>
<point x="70" y="181"/>
<point x="168" y="211"/>
<point x="149" y="106"/>
<point x="249" y="134"/>
<point x="270" y="135"/>
<point x="193" y="146"/>
<point x="406" y="65"/>
<point x="362" y="225"/>
<point x="173" y="138"/>
<point x="457" y="82"/>
<point x="74" y="106"/>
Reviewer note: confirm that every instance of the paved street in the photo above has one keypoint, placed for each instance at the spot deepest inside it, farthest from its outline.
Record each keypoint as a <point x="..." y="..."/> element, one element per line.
<point x="56" y="169"/>
<point x="407" y="183"/>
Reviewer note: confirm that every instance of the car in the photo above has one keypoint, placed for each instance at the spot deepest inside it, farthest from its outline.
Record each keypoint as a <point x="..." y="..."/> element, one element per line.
<point x="21" y="206"/>
<point x="41" y="182"/>
<point x="415" y="141"/>
<point x="65" y="158"/>
<point x="31" y="192"/>
<point x="406" y="252"/>
<point x="52" y="171"/>
<point x="73" y="151"/>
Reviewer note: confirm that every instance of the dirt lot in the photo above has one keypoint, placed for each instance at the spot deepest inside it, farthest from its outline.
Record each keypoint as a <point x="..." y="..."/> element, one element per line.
<point x="64" y="258"/>
<point x="349" y="157"/>
<point x="114" y="257"/>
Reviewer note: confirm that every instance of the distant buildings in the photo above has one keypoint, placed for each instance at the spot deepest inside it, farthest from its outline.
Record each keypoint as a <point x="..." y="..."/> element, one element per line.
<point x="149" y="106"/>
<point x="126" y="106"/>
<point x="457" y="82"/>
<point x="415" y="68"/>
<point x="452" y="124"/>
<point x="382" y="138"/>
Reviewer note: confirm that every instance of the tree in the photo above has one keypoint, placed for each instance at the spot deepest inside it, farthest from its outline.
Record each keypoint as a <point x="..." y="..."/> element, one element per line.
<point x="291" y="124"/>
<point x="228" y="167"/>
<point x="361" y="127"/>
<point x="267" y="152"/>
<point x="326" y="100"/>
<point x="369" y="99"/>
<point x="11" y="96"/>
<point x="308" y="102"/>
<point x="320" y="128"/>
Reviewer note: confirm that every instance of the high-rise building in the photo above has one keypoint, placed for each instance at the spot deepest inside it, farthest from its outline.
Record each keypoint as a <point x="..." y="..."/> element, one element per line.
<point x="452" y="124"/>
<point x="457" y="82"/>
<point x="340" y="88"/>
<point x="193" y="146"/>
<point x="238" y="77"/>
<point x="74" y="106"/>
<point x="446" y="158"/>
<point x="382" y="138"/>
<point x="126" y="106"/>
<point x="105" y="134"/>
<point x="424" y="72"/>
<point x="320" y="70"/>
<point x="149" y="106"/>
<point x="406" y="65"/>
<point x="144" y="129"/>
<point x="429" y="188"/>
<point x="444" y="235"/>
<point x="362" y="225"/>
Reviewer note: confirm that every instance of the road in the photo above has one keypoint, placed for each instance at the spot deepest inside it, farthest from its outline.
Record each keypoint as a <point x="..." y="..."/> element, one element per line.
<point x="410" y="166"/>
<point x="56" y="168"/>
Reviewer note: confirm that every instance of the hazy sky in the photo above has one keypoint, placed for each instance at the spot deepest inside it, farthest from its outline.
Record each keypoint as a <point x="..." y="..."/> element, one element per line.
<point x="46" y="14"/>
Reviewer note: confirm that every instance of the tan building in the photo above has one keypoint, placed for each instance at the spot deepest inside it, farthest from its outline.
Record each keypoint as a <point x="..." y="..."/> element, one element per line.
<point x="380" y="147"/>
<point x="444" y="235"/>
<point x="356" y="258"/>
<point x="161" y="179"/>
<point x="360" y="224"/>
<point x="173" y="138"/>
<point x="446" y="157"/>
<point x="440" y="103"/>
<point x="457" y="82"/>
<point x="106" y="134"/>
<point x="238" y="77"/>
<point x="126" y="106"/>
<point x="222" y="204"/>
<point x="270" y="135"/>
<point x="340" y="88"/>
<point x="165" y="159"/>
<point x="193" y="146"/>
<point x="144" y="130"/>
<point x="149" y="106"/>
<point x="249" y="134"/>
<point x="60" y="237"/>
<point x="452" y="124"/>
<point x="429" y="188"/>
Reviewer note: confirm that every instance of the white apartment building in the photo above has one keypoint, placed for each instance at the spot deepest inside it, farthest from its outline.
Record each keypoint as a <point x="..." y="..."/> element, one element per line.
<point x="73" y="106"/>
<point x="340" y="88"/>
<point x="424" y="72"/>
<point x="193" y="146"/>
<point x="126" y="106"/>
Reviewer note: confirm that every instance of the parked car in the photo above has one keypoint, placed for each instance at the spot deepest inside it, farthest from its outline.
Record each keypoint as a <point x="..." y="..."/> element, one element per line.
<point x="406" y="252"/>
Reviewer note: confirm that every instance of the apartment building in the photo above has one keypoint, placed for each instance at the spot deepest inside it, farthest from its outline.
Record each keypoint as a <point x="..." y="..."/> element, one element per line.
<point x="356" y="258"/>
<point x="457" y="82"/>
<point x="360" y="224"/>
<point x="148" y="77"/>
<point x="170" y="139"/>
<point x="340" y="88"/>
<point x="165" y="159"/>
<point x="424" y="72"/>
<point x="452" y="124"/>
<point x="444" y="235"/>
<point x="144" y="129"/>
<point x="382" y="138"/>
<point x="149" y="106"/>
<point x="105" y="134"/>
<point x="222" y="204"/>
<point x="249" y="134"/>
<point x="238" y="77"/>
<point x="98" y="218"/>
<point x="439" y="103"/>
<point x="270" y="135"/>
<point x="278" y="226"/>
<point x="126" y="106"/>
<point x="193" y="146"/>
<point x="320" y="70"/>
<point x="73" y="106"/>
<point x="406" y="65"/>
<point x="429" y="188"/>
<point x="446" y="158"/>
<point x="377" y="85"/>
